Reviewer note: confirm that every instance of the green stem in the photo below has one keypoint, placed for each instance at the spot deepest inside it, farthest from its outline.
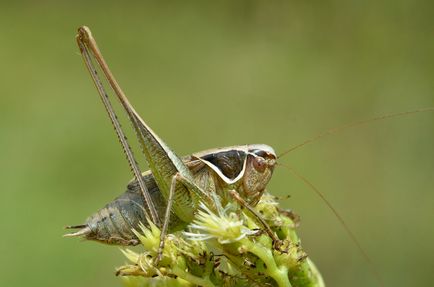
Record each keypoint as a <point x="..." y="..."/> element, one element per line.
<point x="315" y="273"/>
<point x="205" y="282"/>
<point x="280" y="275"/>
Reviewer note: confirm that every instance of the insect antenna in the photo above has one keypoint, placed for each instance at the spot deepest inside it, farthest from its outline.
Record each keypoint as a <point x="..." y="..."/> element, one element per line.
<point x="312" y="187"/>
<point x="352" y="125"/>
<point x="350" y="233"/>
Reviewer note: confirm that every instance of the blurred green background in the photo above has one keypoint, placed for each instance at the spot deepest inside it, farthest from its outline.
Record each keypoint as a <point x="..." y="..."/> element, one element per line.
<point x="215" y="74"/>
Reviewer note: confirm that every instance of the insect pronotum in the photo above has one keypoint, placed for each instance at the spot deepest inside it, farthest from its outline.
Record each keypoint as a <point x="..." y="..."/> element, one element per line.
<point x="169" y="193"/>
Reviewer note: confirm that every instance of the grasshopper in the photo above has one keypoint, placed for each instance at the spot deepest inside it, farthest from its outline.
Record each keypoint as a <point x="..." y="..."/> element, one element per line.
<point x="169" y="194"/>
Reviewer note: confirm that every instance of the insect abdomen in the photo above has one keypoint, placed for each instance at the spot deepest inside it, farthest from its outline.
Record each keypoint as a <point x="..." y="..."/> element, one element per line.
<point x="114" y="223"/>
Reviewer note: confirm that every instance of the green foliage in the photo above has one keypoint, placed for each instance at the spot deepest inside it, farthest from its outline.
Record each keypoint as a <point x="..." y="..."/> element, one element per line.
<point x="224" y="248"/>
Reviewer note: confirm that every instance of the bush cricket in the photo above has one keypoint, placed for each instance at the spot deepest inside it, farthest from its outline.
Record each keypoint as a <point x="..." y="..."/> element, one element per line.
<point x="169" y="194"/>
<point x="238" y="173"/>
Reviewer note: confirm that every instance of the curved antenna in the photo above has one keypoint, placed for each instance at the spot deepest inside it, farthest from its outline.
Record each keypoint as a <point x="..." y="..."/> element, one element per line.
<point x="350" y="233"/>
<point x="352" y="125"/>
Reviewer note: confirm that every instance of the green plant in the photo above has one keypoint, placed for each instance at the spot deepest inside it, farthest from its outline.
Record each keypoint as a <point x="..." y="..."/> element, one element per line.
<point x="224" y="248"/>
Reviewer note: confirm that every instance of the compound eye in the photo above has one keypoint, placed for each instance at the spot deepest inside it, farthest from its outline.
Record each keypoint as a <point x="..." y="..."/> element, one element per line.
<point x="259" y="164"/>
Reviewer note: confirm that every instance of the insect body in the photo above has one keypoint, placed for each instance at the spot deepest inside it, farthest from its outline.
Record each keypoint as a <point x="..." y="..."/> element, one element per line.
<point x="247" y="168"/>
<point x="211" y="177"/>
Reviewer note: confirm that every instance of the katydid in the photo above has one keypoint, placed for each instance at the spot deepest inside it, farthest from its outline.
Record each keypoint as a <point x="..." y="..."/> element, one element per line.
<point x="238" y="173"/>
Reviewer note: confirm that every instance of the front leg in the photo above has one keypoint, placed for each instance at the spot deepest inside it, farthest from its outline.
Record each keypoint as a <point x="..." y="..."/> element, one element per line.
<point x="235" y="195"/>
